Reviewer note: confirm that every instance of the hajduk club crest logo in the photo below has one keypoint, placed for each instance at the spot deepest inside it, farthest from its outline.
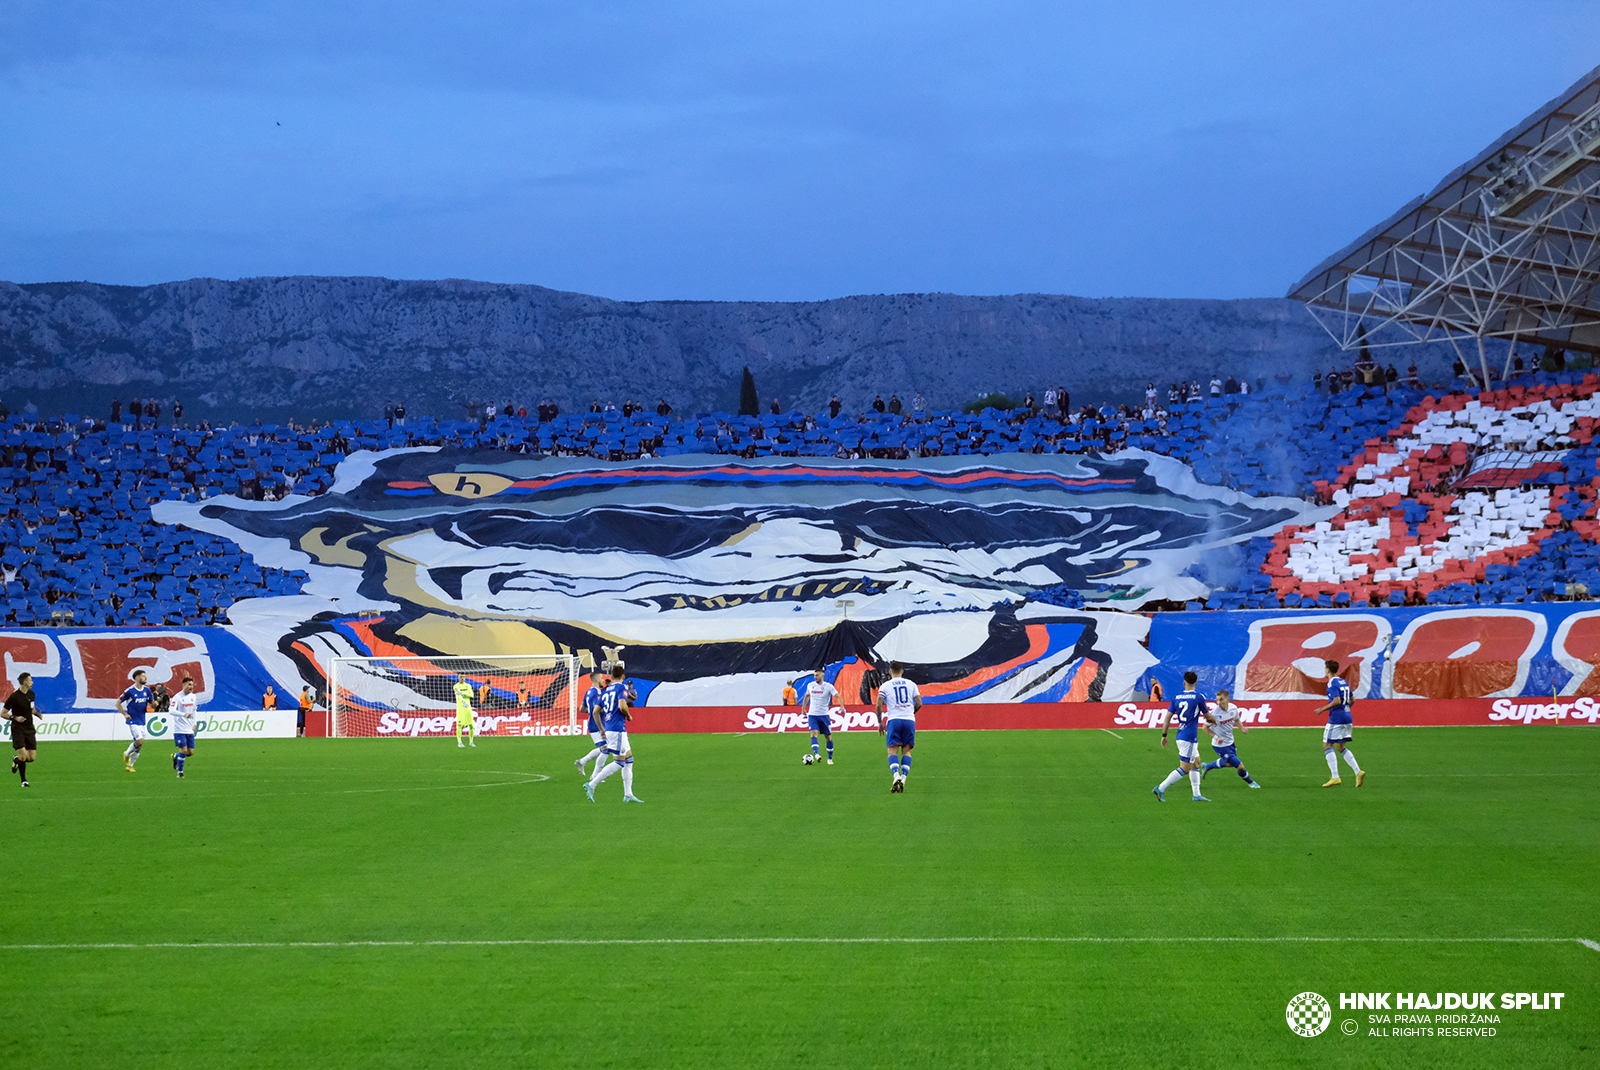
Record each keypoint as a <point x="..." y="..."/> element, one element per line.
<point x="1309" y="1014"/>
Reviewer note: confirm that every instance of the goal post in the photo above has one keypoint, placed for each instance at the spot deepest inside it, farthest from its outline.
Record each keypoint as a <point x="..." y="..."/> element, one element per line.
<point x="513" y="695"/>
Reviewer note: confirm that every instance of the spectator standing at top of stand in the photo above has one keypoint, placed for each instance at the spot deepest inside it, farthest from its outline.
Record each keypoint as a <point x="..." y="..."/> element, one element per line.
<point x="918" y="409"/>
<point x="1050" y="408"/>
<point x="1216" y="387"/>
<point x="877" y="403"/>
<point x="663" y="409"/>
<point x="834" y="405"/>
<point x="388" y="413"/>
<point x="116" y="411"/>
<point x="400" y="413"/>
<point x="1229" y="387"/>
<point x="177" y="412"/>
<point x="895" y="408"/>
<point x="136" y="410"/>
<point x="775" y="409"/>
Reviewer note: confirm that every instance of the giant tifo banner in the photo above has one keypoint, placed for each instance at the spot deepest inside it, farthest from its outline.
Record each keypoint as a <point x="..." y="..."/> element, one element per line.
<point x="717" y="580"/>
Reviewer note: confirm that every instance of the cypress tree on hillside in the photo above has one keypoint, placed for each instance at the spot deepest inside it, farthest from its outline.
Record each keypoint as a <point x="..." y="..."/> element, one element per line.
<point x="749" y="400"/>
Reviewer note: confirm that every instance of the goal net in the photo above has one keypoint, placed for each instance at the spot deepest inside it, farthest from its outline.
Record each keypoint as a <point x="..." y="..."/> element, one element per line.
<point x="513" y="695"/>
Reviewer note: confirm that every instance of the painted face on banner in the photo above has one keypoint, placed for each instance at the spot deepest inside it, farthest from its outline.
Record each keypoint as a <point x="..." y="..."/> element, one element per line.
<point x="700" y="550"/>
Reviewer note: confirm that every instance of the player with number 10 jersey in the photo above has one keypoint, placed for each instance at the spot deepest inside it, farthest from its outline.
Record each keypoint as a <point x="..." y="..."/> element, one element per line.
<point x="898" y="703"/>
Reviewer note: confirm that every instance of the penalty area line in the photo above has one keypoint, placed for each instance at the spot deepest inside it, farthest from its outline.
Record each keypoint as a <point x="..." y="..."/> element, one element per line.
<point x="203" y="945"/>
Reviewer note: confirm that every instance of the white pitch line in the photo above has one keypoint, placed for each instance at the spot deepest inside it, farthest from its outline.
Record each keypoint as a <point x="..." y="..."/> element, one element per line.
<point x="773" y="940"/>
<point x="1108" y="732"/>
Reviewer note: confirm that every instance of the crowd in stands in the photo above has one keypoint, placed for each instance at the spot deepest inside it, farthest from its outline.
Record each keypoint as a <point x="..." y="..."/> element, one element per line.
<point x="78" y="544"/>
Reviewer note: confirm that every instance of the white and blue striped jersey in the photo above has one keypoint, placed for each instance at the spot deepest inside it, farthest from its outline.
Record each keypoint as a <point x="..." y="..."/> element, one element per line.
<point x="899" y="699"/>
<point x="1186" y="708"/>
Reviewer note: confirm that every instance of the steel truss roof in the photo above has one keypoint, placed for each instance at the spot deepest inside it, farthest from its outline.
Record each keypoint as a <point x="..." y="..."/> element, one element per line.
<point x="1507" y="246"/>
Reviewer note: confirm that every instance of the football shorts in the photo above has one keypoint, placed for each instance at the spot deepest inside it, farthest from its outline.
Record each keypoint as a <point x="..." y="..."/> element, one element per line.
<point x="464" y="718"/>
<point x="617" y="742"/>
<point x="900" y="733"/>
<point x="183" y="740"/>
<point x="24" y="737"/>
<point x="1188" y="750"/>
<point x="598" y="736"/>
<point x="822" y="724"/>
<point x="1338" y="733"/>
<point x="1224" y="750"/>
<point x="137" y="731"/>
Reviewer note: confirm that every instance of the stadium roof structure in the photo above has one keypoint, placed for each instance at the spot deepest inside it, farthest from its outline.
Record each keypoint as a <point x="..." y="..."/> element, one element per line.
<point x="1507" y="246"/>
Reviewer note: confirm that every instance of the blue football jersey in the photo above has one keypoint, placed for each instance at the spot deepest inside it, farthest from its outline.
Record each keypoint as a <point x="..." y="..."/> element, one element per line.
<point x="1186" y="708"/>
<point x="1339" y="695"/>
<point x="591" y="706"/>
<point x="612" y="702"/>
<point x="136" y="701"/>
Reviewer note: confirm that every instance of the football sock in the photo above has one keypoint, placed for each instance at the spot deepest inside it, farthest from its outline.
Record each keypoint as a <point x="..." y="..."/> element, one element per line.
<point x="1213" y="765"/>
<point x="1333" y="763"/>
<point x="815" y="747"/>
<point x="21" y="768"/>
<point x="607" y="771"/>
<point x="830" y="748"/>
<point x="905" y="766"/>
<point x="1244" y="774"/>
<point x="181" y="759"/>
<point x="1172" y="778"/>
<point x="1194" y="780"/>
<point x="1350" y="760"/>
<point x="894" y="764"/>
<point x="627" y="779"/>
<point x="136" y="752"/>
<point x="129" y="752"/>
<point x="592" y="755"/>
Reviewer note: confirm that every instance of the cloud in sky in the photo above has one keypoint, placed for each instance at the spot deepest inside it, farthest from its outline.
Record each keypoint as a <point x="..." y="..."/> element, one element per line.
<point x="721" y="150"/>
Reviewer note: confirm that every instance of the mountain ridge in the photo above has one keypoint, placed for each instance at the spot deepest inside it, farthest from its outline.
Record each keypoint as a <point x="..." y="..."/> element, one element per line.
<point x="324" y="346"/>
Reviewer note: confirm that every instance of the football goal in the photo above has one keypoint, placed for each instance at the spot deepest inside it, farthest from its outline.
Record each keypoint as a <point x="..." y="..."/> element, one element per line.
<point x="512" y="695"/>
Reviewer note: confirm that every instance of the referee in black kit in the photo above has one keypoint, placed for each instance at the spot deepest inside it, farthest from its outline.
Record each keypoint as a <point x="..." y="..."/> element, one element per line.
<point x="21" y="711"/>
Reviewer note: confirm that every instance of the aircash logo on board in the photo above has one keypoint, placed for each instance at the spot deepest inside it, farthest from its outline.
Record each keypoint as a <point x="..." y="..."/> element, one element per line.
<point x="399" y="724"/>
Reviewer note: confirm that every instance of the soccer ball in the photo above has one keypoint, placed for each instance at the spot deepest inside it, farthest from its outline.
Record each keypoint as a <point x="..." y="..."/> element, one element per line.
<point x="809" y="759"/>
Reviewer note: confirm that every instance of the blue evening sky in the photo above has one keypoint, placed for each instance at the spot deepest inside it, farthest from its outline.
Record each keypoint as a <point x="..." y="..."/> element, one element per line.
<point x="748" y="150"/>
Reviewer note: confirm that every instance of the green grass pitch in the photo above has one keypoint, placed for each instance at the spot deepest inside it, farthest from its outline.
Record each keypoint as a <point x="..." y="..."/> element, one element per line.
<point x="303" y="848"/>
